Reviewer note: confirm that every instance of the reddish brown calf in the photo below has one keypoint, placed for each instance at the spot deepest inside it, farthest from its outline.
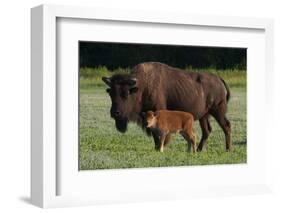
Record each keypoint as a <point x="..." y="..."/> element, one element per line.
<point x="164" y="122"/>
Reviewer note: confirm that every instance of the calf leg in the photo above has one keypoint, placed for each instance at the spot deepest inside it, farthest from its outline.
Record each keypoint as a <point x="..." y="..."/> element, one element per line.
<point x="206" y="130"/>
<point x="160" y="104"/>
<point x="159" y="139"/>
<point x="189" y="136"/>
<point x="192" y="141"/>
<point x="167" y="139"/>
<point x="162" y="141"/>
<point x="224" y="123"/>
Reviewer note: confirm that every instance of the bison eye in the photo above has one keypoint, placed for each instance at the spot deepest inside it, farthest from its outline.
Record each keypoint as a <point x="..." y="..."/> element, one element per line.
<point x="108" y="90"/>
<point x="133" y="90"/>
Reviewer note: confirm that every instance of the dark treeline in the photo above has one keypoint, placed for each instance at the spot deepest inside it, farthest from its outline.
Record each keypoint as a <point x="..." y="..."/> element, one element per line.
<point x="120" y="55"/>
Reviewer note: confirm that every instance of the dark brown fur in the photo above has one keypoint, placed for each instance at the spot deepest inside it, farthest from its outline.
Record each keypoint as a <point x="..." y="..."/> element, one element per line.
<point x="155" y="86"/>
<point x="165" y="122"/>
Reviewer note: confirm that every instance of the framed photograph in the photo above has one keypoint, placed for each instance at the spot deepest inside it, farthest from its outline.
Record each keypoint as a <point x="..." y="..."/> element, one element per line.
<point x="131" y="106"/>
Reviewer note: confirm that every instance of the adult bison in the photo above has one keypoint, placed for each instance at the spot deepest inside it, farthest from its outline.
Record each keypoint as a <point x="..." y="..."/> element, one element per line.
<point x="154" y="86"/>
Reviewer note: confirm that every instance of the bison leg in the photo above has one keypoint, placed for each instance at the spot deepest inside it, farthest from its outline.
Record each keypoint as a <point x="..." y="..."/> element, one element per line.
<point x="206" y="130"/>
<point x="156" y="137"/>
<point x="224" y="123"/>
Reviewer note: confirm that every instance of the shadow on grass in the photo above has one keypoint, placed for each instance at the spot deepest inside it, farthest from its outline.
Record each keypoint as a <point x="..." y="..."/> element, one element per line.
<point x="241" y="143"/>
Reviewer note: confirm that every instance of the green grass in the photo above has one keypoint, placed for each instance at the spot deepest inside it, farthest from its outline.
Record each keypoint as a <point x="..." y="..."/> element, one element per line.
<point x="103" y="147"/>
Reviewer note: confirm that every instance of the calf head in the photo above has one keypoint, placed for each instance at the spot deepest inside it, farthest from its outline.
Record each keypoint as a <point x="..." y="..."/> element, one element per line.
<point x="122" y="91"/>
<point x="151" y="119"/>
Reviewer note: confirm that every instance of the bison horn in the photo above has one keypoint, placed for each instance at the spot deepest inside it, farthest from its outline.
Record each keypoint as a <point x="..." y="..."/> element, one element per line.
<point x="107" y="80"/>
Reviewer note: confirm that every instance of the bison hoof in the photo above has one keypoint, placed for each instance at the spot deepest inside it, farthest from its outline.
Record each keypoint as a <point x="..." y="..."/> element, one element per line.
<point x="199" y="149"/>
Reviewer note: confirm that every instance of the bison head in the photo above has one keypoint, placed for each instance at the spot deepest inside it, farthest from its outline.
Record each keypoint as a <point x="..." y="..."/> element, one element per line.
<point x="122" y="91"/>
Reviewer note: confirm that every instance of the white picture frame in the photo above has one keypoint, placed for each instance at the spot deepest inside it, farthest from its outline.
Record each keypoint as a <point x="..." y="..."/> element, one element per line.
<point x="45" y="168"/>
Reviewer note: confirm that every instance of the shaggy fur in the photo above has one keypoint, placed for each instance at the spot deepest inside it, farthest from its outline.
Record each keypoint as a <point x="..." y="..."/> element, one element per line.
<point x="155" y="86"/>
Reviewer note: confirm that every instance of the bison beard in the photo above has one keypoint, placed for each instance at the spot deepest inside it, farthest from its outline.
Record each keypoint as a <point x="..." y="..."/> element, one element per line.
<point x="121" y="125"/>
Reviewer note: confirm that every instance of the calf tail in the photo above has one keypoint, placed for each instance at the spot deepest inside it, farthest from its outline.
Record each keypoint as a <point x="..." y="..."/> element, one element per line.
<point x="227" y="90"/>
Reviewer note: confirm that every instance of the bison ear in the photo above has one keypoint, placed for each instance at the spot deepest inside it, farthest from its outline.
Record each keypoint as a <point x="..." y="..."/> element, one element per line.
<point x="107" y="80"/>
<point x="143" y="114"/>
<point x="133" y="90"/>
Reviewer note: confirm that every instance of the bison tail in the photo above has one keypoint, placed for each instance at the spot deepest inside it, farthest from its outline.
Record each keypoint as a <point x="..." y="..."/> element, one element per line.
<point x="227" y="90"/>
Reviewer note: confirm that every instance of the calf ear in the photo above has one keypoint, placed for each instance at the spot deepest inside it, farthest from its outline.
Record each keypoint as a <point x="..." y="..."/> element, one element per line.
<point x="107" y="80"/>
<point x="133" y="90"/>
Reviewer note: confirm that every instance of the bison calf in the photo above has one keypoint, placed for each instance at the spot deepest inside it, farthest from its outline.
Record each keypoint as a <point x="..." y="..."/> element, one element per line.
<point x="164" y="122"/>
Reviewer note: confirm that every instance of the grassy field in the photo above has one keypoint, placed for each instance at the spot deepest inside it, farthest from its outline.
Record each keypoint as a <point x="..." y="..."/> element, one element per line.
<point x="103" y="147"/>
